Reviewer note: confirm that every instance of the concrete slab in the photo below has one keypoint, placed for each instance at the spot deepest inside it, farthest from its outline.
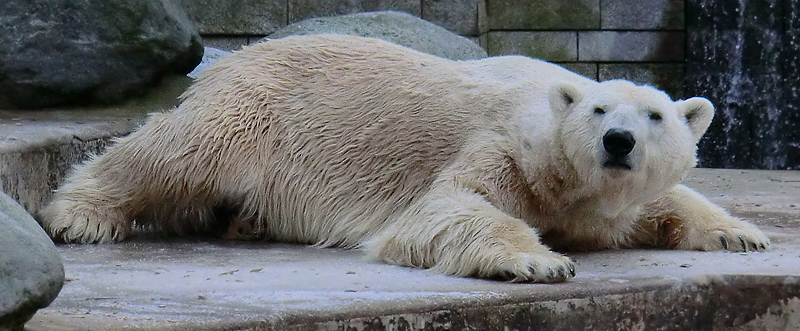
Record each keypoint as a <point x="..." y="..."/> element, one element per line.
<point x="206" y="284"/>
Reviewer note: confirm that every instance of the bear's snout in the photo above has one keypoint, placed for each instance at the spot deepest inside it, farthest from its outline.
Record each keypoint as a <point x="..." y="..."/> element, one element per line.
<point x="618" y="143"/>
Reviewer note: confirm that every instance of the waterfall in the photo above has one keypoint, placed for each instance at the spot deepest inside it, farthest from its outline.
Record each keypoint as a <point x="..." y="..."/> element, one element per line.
<point x="744" y="57"/>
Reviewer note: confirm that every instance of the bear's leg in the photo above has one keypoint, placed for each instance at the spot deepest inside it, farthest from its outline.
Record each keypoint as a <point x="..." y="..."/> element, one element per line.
<point x="83" y="210"/>
<point x="100" y="199"/>
<point x="456" y="232"/>
<point x="684" y="219"/>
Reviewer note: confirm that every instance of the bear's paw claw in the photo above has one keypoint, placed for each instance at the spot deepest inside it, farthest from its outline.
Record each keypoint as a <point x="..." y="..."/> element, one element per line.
<point x="742" y="240"/>
<point x="540" y="268"/>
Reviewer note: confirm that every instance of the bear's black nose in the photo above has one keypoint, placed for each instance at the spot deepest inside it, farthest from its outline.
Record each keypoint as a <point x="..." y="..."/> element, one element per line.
<point x="618" y="142"/>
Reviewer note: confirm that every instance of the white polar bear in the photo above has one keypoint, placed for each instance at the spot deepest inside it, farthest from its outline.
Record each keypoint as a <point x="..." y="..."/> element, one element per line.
<point x="468" y="168"/>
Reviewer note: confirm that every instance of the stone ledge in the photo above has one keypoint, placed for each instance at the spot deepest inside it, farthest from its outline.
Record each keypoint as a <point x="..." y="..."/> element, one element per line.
<point x="199" y="283"/>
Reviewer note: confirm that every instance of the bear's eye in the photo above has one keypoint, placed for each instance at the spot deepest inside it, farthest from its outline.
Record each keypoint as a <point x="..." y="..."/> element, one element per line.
<point x="599" y="111"/>
<point x="655" y="116"/>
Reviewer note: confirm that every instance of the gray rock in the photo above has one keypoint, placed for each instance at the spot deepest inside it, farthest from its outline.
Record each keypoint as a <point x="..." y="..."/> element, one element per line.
<point x="68" y="52"/>
<point x="210" y="55"/>
<point x="399" y="28"/>
<point x="31" y="271"/>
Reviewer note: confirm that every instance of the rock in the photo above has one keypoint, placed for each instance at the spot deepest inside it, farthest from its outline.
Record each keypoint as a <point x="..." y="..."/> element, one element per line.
<point x="31" y="271"/>
<point x="77" y="52"/>
<point x="396" y="27"/>
<point x="210" y="55"/>
<point x="399" y="28"/>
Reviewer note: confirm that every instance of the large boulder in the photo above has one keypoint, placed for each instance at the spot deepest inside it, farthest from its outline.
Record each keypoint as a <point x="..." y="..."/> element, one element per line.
<point x="31" y="271"/>
<point x="66" y="52"/>
<point x="396" y="27"/>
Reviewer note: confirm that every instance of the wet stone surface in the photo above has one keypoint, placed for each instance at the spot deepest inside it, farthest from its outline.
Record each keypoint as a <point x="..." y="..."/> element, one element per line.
<point x="199" y="283"/>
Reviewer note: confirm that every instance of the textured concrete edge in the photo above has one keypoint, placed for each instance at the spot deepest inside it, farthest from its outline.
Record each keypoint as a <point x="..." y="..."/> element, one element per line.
<point x="30" y="175"/>
<point x="707" y="303"/>
<point x="711" y="302"/>
<point x="463" y="314"/>
<point x="50" y="135"/>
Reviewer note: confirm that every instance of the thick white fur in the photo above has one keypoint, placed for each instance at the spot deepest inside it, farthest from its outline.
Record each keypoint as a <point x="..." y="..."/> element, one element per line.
<point x="461" y="167"/>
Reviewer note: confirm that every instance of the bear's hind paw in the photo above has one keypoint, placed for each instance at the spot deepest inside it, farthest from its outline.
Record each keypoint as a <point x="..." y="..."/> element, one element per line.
<point x="84" y="231"/>
<point x="69" y="224"/>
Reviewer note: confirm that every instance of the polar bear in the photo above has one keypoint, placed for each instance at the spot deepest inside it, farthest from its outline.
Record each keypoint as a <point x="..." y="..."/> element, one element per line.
<point x="473" y="168"/>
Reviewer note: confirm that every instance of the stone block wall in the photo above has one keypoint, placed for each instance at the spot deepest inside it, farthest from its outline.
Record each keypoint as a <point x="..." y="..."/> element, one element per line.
<point x="229" y="24"/>
<point x="639" y="40"/>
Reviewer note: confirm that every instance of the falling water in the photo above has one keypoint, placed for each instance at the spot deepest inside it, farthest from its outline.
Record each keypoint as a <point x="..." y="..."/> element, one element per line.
<point x="732" y="95"/>
<point x="743" y="56"/>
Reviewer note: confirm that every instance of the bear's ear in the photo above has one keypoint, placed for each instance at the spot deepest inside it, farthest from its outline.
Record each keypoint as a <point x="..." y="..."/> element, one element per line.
<point x="698" y="113"/>
<point x="564" y="96"/>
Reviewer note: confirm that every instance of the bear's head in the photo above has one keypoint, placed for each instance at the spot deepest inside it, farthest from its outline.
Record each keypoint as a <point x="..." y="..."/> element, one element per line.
<point x="616" y="134"/>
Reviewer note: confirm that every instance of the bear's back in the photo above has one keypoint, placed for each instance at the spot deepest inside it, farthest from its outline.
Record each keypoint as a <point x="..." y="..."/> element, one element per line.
<point x="342" y="128"/>
<point x="347" y="129"/>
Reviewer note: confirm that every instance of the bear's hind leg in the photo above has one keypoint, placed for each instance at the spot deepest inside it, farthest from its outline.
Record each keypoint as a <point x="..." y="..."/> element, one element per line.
<point x="460" y="233"/>
<point x="100" y="199"/>
<point x="82" y="212"/>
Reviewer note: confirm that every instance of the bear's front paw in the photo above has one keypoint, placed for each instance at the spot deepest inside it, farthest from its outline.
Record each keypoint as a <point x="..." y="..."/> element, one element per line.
<point x="733" y="235"/>
<point x="543" y="267"/>
<point x="244" y="228"/>
<point x="743" y="240"/>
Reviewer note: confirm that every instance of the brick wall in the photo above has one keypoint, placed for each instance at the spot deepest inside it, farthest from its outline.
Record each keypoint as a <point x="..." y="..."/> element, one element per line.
<point x="639" y="40"/>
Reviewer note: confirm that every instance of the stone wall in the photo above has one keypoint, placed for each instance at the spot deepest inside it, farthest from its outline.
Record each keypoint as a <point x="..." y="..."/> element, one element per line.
<point x="640" y="40"/>
<point x="604" y="39"/>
